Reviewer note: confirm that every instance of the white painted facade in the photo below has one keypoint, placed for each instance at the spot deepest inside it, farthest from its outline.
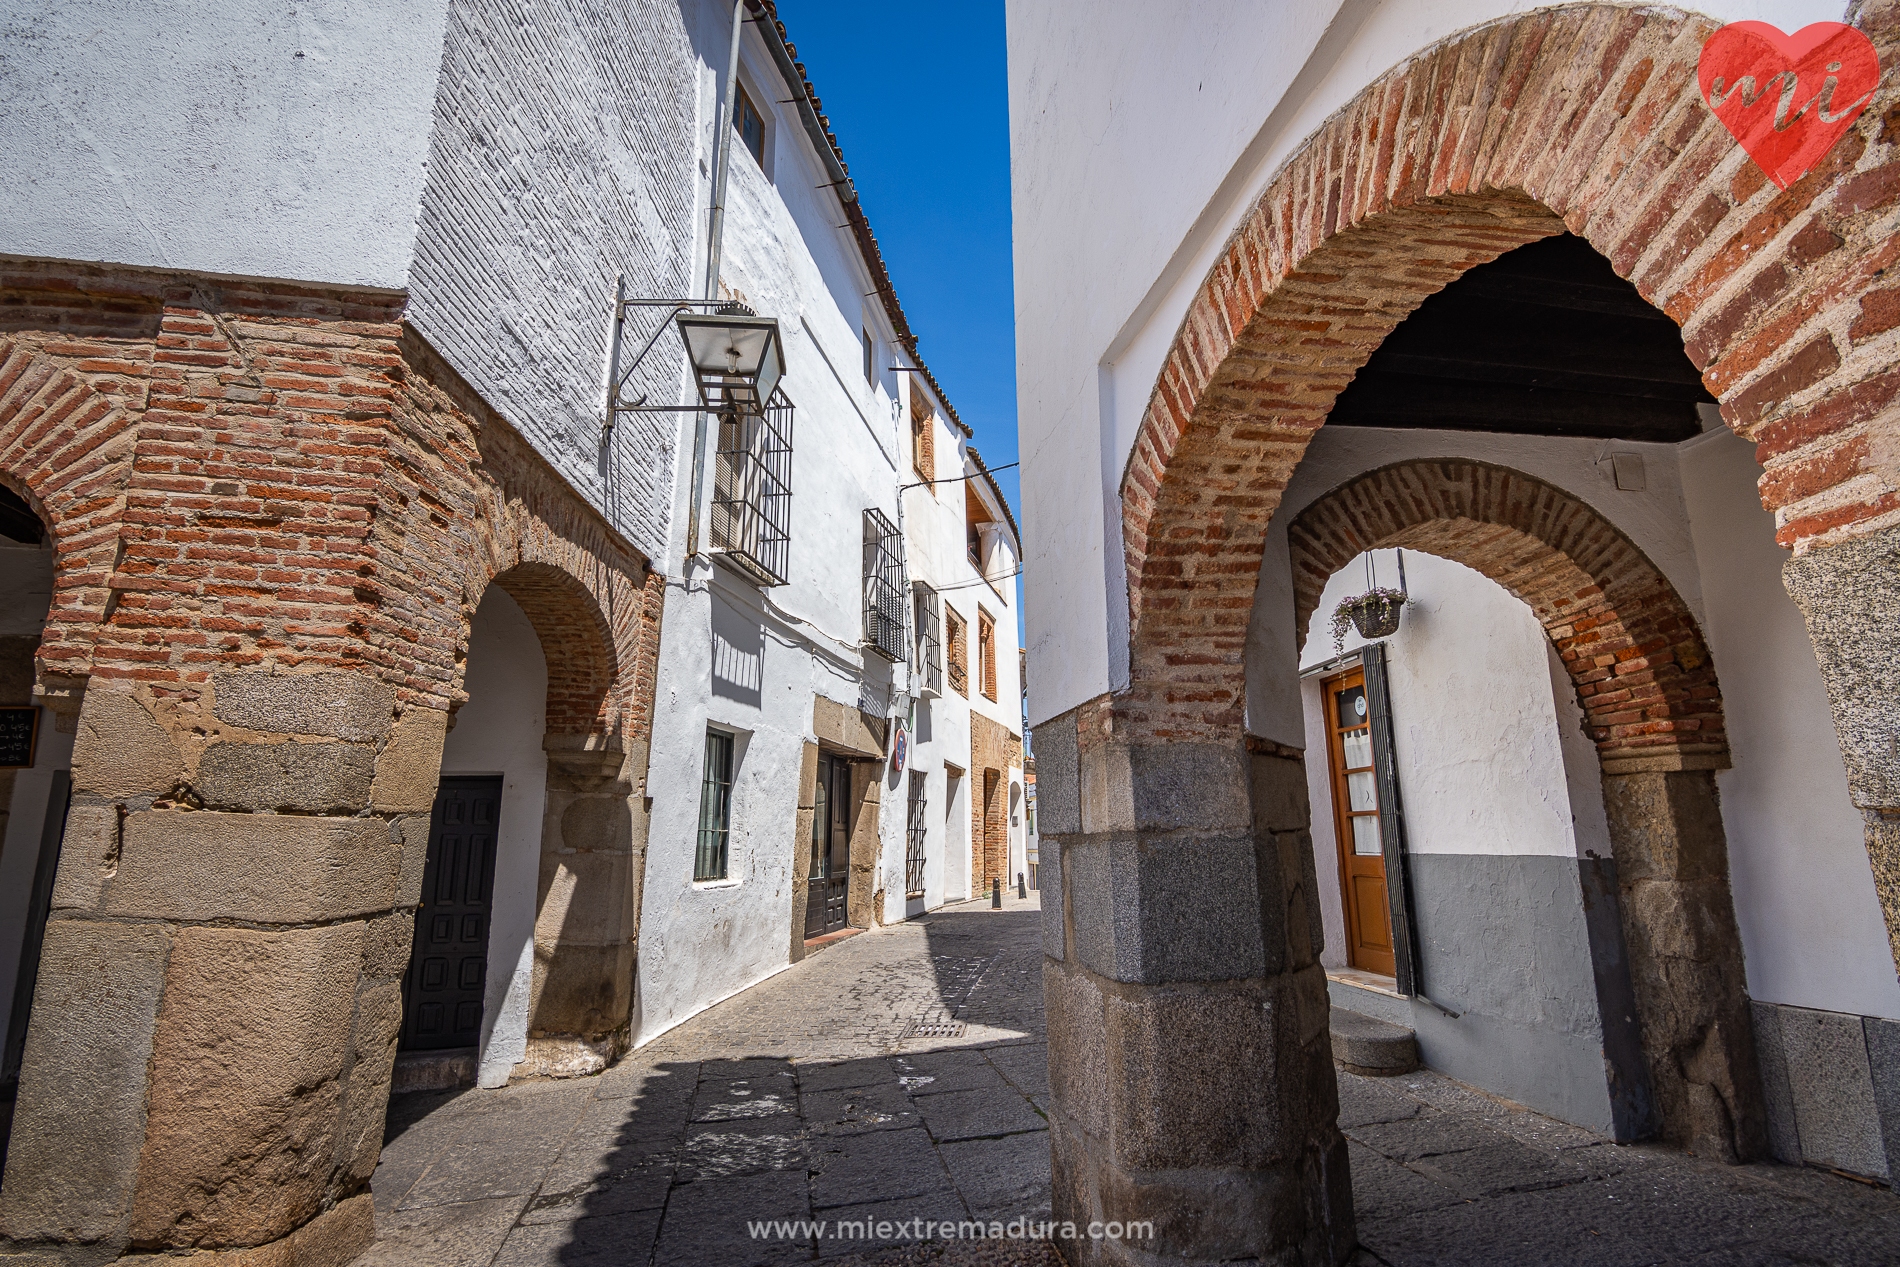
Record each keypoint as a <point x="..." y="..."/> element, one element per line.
<point x="748" y="660"/>
<point x="937" y="541"/>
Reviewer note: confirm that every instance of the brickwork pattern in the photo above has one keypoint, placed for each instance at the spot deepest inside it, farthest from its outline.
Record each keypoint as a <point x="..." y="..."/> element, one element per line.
<point x="269" y="478"/>
<point x="994" y="751"/>
<point x="1639" y="663"/>
<point x="1586" y="118"/>
<point x="562" y="155"/>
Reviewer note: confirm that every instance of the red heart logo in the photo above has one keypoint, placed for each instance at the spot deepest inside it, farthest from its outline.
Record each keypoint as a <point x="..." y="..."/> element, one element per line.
<point x="1788" y="98"/>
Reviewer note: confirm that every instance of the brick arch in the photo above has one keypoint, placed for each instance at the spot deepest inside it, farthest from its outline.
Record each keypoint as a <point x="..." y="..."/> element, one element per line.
<point x="1633" y="649"/>
<point x="1583" y="117"/>
<point x="64" y="447"/>
<point x="576" y="641"/>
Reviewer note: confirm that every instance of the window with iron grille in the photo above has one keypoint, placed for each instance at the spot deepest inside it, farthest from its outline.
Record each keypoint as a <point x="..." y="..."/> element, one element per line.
<point x="929" y="627"/>
<point x="914" y="840"/>
<point x="883" y="586"/>
<point x="752" y="491"/>
<point x="715" y="808"/>
<point x="958" y="651"/>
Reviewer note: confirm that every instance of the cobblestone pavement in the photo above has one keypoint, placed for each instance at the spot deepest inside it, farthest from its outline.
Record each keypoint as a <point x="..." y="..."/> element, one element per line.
<point x="901" y="1075"/>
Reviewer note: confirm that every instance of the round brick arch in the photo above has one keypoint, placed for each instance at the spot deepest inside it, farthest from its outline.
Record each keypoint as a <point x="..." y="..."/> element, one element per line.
<point x="64" y="446"/>
<point x="1583" y="118"/>
<point x="1632" y="648"/>
<point x="576" y="643"/>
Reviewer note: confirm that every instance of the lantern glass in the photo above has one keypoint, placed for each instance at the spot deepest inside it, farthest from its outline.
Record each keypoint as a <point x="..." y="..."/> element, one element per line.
<point x="738" y="360"/>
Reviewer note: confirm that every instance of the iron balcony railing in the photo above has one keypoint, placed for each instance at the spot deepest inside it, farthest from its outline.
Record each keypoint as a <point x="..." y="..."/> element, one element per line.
<point x="883" y="586"/>
<point x="752" y="491"/>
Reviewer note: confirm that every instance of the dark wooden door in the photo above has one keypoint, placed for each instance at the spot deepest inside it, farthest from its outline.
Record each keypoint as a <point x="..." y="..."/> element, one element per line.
<point x="448" y="967"/>
<point x="1356" y="817"/>
<point x="828" y="881"/>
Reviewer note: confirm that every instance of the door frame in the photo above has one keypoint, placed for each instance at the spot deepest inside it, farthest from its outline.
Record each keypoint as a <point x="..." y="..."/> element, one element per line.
<point x="1331" y="688"/>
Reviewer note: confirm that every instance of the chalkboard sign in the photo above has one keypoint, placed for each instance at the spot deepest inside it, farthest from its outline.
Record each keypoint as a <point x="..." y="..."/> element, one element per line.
<point x="19" y="727"/>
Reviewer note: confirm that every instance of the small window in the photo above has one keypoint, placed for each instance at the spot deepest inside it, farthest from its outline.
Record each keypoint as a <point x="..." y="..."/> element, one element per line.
<point x="870" y="358"/>
<point x="929" y="626"/>
<point x="959" y="651"/>
<point x="923" y="435"/>
<point x="883" y="587"/>
<point x="916" y="825"/>
<point x="986" y="644"/>
<point x="750" y="125"/>
<point x="752" y="491"/>
<point x="715" y="808"/>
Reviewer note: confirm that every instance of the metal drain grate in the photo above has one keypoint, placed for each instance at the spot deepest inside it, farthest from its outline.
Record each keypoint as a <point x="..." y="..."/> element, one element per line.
<point x="937" y="1029"/>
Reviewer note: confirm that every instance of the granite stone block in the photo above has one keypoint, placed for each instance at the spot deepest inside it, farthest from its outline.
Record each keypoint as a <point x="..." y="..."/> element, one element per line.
<point x="1784" y="1139"/>
<point x="1833" y="1087"/>
<point x="1058" y="795"/>
<point x="1883" y="1063"/>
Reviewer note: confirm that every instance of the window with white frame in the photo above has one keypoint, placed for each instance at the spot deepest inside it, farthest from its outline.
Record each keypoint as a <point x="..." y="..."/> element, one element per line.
<point x="883" y="586"/>
<point x="715" y="807"/>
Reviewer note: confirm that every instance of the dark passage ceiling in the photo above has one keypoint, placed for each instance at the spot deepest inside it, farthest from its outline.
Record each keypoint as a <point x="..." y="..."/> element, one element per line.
<point x="1544" y="340"/>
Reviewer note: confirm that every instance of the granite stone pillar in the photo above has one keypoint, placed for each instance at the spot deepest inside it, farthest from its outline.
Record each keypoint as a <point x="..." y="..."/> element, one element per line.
<point x="208" y="1064"/>
<point x="587" y="915"/>
<point x="1685" y="957"/>
<point x="1189" y="1054"/>
<point x="1850" y="595"/>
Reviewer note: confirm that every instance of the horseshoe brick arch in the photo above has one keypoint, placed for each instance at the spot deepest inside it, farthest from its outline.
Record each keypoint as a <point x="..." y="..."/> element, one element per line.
<point x="1632" y="648"/>
<point x="1653" y="705"/>
<point x="1582" y="118"/>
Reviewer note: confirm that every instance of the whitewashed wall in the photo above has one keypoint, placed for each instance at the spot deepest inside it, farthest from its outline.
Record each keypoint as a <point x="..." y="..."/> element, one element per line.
<point x="498" y="732"/>
<point x="751" y="661"/>
<point x="1140" y="138"/>
<point x="937" y="542"/>
<point x="1804" y="894"/>
<point x="245" y="138"/>
<point x="1804" y="898"/>
<point x="562" y="157"/>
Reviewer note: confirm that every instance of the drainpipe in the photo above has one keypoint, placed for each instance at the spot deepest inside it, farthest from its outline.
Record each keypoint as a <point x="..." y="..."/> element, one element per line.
<point x="722" y="159"/>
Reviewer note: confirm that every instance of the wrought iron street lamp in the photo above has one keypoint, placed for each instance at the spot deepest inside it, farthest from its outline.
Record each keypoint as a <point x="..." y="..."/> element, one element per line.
<point x="737" y="357"/>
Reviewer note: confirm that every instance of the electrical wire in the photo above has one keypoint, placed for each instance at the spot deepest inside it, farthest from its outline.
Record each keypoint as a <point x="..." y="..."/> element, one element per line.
<point x="956" y="479"/>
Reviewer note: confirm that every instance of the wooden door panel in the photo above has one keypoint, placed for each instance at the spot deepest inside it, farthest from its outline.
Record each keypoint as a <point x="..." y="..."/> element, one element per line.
<point x="1356" y="824"/>
<point x="448" y="968"/>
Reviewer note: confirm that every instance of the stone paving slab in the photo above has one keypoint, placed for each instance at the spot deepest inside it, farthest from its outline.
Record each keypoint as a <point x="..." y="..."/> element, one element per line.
<point x="902" y="1076"/>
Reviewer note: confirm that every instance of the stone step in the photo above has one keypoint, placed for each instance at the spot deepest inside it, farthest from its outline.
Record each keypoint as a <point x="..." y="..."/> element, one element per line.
<point x="1374" y="1048"/>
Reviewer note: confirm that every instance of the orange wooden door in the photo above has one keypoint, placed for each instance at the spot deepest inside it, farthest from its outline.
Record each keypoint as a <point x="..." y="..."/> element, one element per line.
<point x="1356" y="819"/>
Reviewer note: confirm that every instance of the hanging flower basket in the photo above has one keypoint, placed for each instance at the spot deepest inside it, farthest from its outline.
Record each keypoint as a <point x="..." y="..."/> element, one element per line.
<point x="1375" y="614"/>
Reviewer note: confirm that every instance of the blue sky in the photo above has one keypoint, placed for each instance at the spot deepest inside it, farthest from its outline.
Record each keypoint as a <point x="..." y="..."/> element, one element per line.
<point x="917" y="98"/>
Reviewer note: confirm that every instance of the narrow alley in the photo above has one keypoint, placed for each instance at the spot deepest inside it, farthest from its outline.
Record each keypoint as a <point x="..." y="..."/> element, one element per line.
<point x="901" y="1077"/>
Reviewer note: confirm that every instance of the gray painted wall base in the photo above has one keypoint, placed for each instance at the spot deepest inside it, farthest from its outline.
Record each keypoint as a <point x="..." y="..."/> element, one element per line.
<point x="1528" y="950"/>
